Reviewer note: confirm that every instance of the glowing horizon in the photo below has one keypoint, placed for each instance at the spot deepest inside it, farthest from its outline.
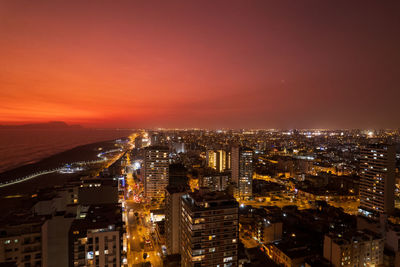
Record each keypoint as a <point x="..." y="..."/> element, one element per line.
<point x="188" y="64"/>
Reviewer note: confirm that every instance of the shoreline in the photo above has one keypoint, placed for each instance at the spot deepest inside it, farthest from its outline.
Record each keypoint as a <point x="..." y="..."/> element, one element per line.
<point x="87" y="152"/>
<point x="20" y="147"/>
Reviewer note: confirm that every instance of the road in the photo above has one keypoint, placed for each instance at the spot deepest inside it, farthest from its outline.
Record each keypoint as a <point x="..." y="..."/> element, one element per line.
<point x="44" y="172"/>
<point x="247" y="241"/>
<point x="139" y="228"/>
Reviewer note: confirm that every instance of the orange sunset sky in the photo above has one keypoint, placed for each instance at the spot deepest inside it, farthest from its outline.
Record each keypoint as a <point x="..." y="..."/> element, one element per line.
<point x="200" y="63"/>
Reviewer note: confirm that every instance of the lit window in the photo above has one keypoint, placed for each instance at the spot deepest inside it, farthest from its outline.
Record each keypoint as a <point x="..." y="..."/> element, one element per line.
<point x="198" y="258"/>
<point x="89" y="255"/>
<point x="227" y="259"/>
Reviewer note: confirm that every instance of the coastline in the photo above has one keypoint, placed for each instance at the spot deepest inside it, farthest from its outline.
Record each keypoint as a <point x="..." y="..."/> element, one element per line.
<point x="19" y="147"/>
<point x="86" y="152"/>
<point x="22" y="195"/>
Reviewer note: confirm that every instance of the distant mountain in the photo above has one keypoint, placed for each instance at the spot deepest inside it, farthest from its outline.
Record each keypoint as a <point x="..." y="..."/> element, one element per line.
<point x="46" y="126"/>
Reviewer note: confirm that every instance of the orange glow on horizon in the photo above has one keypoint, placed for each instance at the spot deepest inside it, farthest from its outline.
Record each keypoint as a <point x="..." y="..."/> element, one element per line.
<point x="190" y="64"/>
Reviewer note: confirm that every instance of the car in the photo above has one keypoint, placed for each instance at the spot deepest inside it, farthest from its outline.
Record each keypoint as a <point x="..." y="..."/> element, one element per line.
<point x="164" y="250"/>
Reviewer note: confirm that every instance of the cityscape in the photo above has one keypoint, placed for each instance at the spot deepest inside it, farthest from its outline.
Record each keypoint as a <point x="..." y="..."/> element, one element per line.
<point x="194" y="197"/>
<point x="187" y="133"/>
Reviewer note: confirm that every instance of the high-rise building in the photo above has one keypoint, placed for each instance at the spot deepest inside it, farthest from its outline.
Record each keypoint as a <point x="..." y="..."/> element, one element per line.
<point x="215" y="182"/>
<point x="377" y="166"/>
<point x="173" y="210"/>
<point x="21" y="243"/>
<point x="95" y="237"/>
<point x="228" y="160"/>
<point x="157" y="139"/>
<point x="154" y="139"/>
<point x="362" y="248"/>
<point x="179" y="147"/>
<point x="209" y="229"/>
<point x="55" y="240"/>
<point x="156" y="164"/>
<point x="211" y="157"/>
<point x="242" y="170"/>
<point x="217" y="160"/>
<point x="139" y="142"/>
<point x="177" y="175"/>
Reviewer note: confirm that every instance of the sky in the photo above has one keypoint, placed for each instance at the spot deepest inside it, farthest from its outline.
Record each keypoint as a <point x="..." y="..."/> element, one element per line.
<point x="211" y="64"/>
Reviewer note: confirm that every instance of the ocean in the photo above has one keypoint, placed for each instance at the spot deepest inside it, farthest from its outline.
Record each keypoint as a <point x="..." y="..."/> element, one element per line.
<point x="19" y="147"/>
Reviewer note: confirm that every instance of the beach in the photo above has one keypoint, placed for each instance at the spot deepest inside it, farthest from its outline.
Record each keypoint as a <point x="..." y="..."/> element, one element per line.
<point x="19" y="147"/>
<point x="88" y="152"/>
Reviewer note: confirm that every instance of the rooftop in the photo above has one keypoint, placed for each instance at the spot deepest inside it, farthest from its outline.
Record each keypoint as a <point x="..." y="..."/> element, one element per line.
<point x="205" y="199"/>
<point x="294" y="250"/>
<point x="172" y="189"/>
<point x="157" y="148"/>
<point x="98" y="216"/>
<point x="354" y="237"/>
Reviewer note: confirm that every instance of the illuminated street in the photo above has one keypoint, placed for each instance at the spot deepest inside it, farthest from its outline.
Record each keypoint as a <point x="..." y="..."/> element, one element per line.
<point x="199" y="133"/>
<point x="139" y="228"/>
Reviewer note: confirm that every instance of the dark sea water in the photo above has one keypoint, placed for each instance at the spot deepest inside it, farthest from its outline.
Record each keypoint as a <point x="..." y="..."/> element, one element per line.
<point x="19" y="147"/>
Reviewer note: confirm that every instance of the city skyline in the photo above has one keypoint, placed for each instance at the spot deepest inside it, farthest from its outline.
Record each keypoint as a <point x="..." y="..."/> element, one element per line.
<point x="209" y="65"/>
<point x="203" y="198"/>
<point x="229" y="133"/>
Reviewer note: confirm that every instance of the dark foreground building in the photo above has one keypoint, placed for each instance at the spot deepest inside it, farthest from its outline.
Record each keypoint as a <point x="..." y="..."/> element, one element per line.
<point x="96" y="238"/>
<point x="210" y="229"/>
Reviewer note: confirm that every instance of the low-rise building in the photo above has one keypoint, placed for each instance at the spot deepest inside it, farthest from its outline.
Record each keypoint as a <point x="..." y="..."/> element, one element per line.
<point x="288" y="253"/>
<point x="361" y="248"/>
<point x="269" y="229"/>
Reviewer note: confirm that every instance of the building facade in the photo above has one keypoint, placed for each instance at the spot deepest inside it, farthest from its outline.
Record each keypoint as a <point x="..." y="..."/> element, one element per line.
<point x="55" y="241"/>
<point x="268" y="230"/>
<point x="173" y="211"/>
<point x="242" y="170"/>
<point x="95" y="239"/>
<point x="377" y="167"/>
<point x="217" y="182"/>
<point x="156" y="165"/>
<point x="209" y="229"/>
<point x="218" y="160"/>
<point x="22" y="244"/>
<point x="362" y="248"/>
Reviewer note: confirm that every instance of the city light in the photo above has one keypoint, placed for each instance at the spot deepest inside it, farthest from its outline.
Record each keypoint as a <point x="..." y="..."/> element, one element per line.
<point x="199" y="133"/>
